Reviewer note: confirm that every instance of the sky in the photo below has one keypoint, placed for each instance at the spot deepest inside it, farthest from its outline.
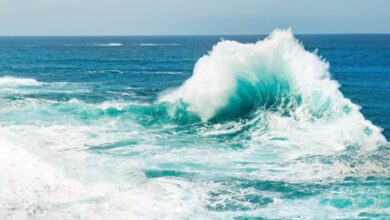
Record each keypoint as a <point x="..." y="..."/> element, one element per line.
<point x="191" y="17"/>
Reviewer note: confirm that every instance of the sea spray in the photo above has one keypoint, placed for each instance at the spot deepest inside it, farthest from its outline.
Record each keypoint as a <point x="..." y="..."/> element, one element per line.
<point x="278" y="77"/>
<point x="259" y="131"/>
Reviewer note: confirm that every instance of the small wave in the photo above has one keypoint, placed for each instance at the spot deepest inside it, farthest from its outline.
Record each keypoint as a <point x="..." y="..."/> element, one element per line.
<point x="129" y="93"/>
<point x="163" y="72"/>
<point x="157" y="44"/>
<point x="104" y="71"/>
<point x="109" y="45"/>
<point x="17" y="81"/>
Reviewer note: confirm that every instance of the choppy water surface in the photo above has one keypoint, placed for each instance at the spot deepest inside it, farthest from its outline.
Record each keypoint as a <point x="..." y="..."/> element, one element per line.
<point x="249" y="127"/>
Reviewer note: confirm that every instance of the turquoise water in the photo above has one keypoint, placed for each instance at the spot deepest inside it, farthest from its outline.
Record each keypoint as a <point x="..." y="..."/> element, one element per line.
<point x="234" y="127"/>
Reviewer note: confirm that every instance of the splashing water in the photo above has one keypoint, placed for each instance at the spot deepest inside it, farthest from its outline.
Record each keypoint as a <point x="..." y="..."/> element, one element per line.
<point x="258" y="130"/>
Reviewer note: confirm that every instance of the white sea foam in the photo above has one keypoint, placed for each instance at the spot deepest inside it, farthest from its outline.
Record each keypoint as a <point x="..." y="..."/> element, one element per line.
<point x="36" y="183"/>
<point x="17" y="81"/>
<point x="276" y="75"/>
<point x="48" y="170"/>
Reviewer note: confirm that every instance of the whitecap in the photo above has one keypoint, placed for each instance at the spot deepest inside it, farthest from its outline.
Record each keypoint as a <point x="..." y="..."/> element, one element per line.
<point x="17" y="81"/>
<point x="109" y="45"/>
<point x="158" y="44"/>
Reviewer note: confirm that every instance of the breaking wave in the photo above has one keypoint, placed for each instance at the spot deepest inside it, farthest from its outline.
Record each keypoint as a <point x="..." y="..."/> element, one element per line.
<point x="276" y="77"/>
<point x="259" y="130"/>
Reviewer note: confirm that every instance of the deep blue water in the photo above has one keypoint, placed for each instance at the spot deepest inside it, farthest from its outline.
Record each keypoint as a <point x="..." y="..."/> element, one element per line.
<point x="91" y="107"/>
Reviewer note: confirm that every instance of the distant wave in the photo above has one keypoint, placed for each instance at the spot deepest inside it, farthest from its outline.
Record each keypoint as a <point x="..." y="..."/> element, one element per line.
<point x="109" y="45"/>
<point x="163" y="72"/>
<point x="105" y="71"/>
<point x="158" y="44"/>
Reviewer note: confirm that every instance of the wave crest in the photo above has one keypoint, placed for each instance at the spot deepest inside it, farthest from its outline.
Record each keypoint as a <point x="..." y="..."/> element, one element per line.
<point x="275" y="75"/>
<point x="236" y="78"/>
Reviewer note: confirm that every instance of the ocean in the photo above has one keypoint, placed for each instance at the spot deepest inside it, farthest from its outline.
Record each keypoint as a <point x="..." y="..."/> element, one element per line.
<point x="195" y="127"/>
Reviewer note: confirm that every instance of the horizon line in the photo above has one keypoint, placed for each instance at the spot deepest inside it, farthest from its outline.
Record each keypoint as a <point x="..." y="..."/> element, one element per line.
<point x="187" y="35"/>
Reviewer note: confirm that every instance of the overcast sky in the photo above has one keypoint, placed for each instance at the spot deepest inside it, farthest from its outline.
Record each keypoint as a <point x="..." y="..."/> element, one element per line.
<point x="187" y="17"/>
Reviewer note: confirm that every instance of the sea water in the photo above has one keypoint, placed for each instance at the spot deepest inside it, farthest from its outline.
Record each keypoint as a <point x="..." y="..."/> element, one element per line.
<point x="203" y="127"/>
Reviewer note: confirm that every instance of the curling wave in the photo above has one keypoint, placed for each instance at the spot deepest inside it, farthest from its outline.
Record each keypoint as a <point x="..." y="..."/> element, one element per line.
<point x="259" y="131"/>
<point x="276" y="76"/>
